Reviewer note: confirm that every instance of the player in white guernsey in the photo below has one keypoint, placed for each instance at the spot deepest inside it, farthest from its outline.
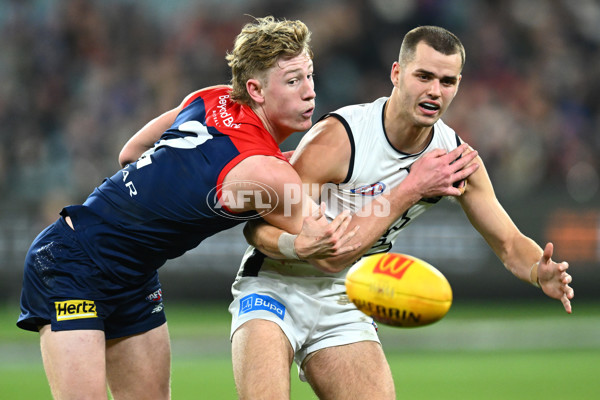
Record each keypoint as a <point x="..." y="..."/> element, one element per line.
<point x="285" y="309"/>
<point x="377" y="165"/>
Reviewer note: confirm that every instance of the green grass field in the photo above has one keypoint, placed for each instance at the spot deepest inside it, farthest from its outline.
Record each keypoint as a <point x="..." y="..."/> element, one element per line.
<point x="487" y="351"/>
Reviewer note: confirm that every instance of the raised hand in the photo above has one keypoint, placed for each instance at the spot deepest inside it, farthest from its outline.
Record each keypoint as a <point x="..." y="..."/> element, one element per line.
<point x="554" y="279"/>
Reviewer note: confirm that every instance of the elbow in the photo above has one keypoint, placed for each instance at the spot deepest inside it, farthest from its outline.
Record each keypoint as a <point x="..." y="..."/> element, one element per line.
<point x="249" y="234"/>
<point x="125" y="157"/>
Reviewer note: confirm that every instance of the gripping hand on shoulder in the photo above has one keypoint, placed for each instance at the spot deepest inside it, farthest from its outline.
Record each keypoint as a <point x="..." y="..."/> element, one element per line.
<point x="436" y="173"/>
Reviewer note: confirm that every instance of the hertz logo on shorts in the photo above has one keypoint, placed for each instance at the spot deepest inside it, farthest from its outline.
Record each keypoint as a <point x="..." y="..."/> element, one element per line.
<point x="75" y="309"/>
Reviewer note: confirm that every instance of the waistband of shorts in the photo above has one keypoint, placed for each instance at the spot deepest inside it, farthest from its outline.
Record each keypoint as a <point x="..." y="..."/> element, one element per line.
<point x="297" y="268"/>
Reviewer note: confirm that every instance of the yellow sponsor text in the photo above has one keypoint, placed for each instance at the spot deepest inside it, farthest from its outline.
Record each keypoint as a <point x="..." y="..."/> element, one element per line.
<point x="75" y="309"/>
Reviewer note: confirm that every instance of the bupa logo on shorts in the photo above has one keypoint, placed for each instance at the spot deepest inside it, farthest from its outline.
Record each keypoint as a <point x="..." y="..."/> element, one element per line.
<point x="75" y="309"/>
<point x="255" y="302"/>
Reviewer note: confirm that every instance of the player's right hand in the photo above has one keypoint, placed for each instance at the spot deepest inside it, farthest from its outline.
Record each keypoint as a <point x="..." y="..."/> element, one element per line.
<point x="320" y="239"/>
<point x="441" y="173"/>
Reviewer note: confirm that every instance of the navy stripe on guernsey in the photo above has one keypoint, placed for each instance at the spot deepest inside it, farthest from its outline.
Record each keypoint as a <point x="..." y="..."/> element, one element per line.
<point x="253" y="263"/>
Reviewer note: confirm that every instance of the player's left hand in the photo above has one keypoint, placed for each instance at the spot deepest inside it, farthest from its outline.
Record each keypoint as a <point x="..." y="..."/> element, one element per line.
<point x="554" y="279"/>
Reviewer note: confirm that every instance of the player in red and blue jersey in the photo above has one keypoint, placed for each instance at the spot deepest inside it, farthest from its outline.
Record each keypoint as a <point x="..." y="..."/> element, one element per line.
<point x="91" y="285"/>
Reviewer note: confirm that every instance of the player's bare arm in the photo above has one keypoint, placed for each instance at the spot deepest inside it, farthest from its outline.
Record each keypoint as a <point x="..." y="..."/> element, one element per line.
<point x="318" y="238"/>
<point x="269" y="183"/>
<point x="323" y="156"/>
<point x="277" y="193"/>
<point x="149" y="134"/>
<point x="519" y="253"/>
<point x="145" y="138"/>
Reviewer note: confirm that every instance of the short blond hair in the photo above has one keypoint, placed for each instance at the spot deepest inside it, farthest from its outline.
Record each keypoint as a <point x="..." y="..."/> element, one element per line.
<point x="258" y="47"/>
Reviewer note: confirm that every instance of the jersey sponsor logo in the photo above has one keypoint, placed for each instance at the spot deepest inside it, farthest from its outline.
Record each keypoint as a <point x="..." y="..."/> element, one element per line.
<point x="392" y="266"/>
<point x="221" y="115"/>
<point x="373" y="189"/>
<point x="129" y="184"/>
<point x="256" y="302"/>
<point x="75" y="309"/>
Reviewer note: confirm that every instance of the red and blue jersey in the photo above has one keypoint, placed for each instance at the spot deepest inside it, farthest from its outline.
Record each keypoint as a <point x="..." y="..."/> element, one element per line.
<point x="160" y="206"/>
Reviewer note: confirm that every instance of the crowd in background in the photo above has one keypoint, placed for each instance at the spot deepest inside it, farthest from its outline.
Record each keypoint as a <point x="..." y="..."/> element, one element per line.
<point x="79" y="77"/>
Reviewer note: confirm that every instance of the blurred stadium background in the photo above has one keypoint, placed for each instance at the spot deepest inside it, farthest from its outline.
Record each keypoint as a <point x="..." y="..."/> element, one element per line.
<point x="79" y="77"/>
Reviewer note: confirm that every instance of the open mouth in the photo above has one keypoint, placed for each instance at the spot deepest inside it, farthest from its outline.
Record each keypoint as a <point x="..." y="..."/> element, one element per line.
<point x="308" y="113"/>
<point x="429" y="106"/>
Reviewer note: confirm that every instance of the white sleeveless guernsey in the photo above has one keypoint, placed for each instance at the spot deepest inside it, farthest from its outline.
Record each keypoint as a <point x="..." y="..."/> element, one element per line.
<point x="310" y="306"/>
<point x="376" y="166"/>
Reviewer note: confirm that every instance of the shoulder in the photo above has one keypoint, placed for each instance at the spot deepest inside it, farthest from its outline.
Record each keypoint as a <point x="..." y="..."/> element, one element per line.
<point x="444" y="136"/>
<point x="207" y="92"/>
<point x="324" y="153"/>
<point x="267" y="178"/>
<point x="268" y="170"/>
<point x="361" y="109"/>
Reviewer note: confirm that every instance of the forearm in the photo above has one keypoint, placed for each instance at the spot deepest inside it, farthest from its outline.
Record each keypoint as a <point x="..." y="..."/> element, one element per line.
<point x="374" y="220"/>
<point x="522" y="255"/>
<point x="264" y="237"/>
<point x="323" y="245"/>
<point x="145" y="138"/>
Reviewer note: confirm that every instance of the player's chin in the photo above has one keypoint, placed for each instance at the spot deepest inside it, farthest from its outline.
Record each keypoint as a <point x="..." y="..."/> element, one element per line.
<point x="426" y="121"/>
<point x="303" y="124"/>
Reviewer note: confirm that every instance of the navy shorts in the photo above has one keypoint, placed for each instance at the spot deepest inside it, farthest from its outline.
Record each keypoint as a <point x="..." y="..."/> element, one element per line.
<point x="64" y="287"/>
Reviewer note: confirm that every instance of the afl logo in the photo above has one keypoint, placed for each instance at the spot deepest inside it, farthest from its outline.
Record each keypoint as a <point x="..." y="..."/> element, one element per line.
<point x="224" y="199"/>
<point x="373" y="189"/>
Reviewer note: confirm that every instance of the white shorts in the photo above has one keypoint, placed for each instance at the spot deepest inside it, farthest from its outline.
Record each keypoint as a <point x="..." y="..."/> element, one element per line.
<point x="310" y="306"/>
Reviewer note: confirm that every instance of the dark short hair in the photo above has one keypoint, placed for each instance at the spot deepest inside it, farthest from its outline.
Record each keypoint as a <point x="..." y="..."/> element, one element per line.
<point x="436" y="37"/>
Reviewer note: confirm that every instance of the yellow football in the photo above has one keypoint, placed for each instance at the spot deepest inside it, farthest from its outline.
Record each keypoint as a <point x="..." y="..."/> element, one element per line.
<point x="399" y="290"/>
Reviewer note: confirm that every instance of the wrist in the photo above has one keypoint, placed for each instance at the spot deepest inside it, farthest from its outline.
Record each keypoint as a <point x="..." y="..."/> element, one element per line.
<point x="286" y="246"/>
<point x="533" y="275"/>
<point x="405" y="195"/>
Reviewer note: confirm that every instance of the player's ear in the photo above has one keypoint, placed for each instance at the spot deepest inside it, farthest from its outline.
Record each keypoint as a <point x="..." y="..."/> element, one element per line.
<point x="458" y="83"/>
<point x="395" y="73"/>
<point x="255" y="90"/>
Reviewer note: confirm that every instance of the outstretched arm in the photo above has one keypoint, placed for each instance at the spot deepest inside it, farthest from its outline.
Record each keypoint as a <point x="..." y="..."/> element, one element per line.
<point x="519" y="253"/>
